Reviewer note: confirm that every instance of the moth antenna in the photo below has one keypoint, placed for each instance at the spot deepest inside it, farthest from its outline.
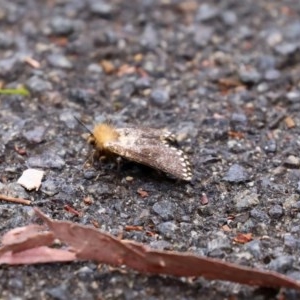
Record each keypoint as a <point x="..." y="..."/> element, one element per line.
<point x="83" y="125"/>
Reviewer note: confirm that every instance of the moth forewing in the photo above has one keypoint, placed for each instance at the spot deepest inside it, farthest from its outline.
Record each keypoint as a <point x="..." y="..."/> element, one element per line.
<point x="151" y="147"/>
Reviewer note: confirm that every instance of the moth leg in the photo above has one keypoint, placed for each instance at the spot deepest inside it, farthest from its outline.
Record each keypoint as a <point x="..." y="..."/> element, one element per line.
<point x="94" y="158"/>
<point x="98" y="159"/>
<point x="119" y="162"/>
<point x="89" y="160"/>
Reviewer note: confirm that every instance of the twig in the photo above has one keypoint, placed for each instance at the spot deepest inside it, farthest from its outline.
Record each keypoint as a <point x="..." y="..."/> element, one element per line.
<point x="15" y="200"/>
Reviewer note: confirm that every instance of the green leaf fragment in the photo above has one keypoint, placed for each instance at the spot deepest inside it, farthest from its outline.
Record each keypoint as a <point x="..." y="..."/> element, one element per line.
<point x="19" y="91"/>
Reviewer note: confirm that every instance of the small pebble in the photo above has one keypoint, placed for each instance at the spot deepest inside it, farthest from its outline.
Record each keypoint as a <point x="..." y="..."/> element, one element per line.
<point x="6" y="41"/>
<point x="290" y="201"/>
<point x="159" y="96"/>
<point x="292" y="31"/>
<point x="245" y="200"/>
<point x="165" y="209"/>
<point x="129" y="178"/>
<point x="167" y="229"/>
<point x="254" y="247"/>
<point x="59" y="61"/>
<point x="80" y="96"/>
<point x="293" y="96"/>
<point x="206" y="12"/>
<point x="142" y="83"/>
<point x="38" y="85"/>
<point x="282" y="263"/>
<point x="260" y="215"/>
<point x="229" y="17"/>
<point x="290" y="242"/>
<point x="272" y="75"/>
<point x="49" y="187"/>
<point x="149" y="38"/>
<point x="46" y="160"/>
<point x="236" y="174"/>
<point x="276" y="211"/>
<point x="292" y="162"/>
<point x="203" y="35"/>
<point x="270" y="146"/>
<point x="249" y="75"/>
<point x="31" y="179"/>
<point x="161" y="245"/>
<point x="89" y="174"/>
<point x="10" y="67"/>
<point x="221" y="242"/>
<point x="36" y="135"/>
<point x="101" y="8"/>
<point x="286" y="49"/>
<point x="61" y="26"/>
<point x="59" y="292"/>
<point x="274" y="38"/>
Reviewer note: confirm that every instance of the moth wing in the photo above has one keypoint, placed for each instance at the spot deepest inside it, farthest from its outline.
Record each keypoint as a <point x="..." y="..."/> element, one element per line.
<point x="151" y="150"/>
<point x="147" y="133"/>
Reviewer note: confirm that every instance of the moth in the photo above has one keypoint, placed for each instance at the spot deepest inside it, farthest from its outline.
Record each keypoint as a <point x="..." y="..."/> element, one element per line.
<point x="148" y="146"/>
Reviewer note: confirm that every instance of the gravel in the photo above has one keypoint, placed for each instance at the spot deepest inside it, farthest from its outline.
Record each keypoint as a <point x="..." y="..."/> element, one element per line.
<point x="38" y="85"/>
<point x="222" y="75"/>
<point x="236" y="173"/>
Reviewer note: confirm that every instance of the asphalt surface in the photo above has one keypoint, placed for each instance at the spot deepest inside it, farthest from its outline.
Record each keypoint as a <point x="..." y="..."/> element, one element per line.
<point x="222" y="75"/>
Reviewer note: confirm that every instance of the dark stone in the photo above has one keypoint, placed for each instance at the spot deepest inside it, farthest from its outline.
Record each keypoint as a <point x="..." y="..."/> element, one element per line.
<point x="101" y="8"/>
<point x="259" y="215"/>
<point x="36" y="135"/>
<point x="80" y="96"/>
<point x="202" y="35"/>
<point x="249" y="75"/>
<point x="255" y="248"/>
<point x="59" y="61"/>
<point x="6" y="41"/>
<point x="276" y="211"/>
<point x="159" y="97"/>
<point x="61" y="26"/>
<point x="38" y="85"/>
<point x="46" y="160"/>
<point x="207" y="12"/>
<point x="229" y="17"/>
<point x="236" y="174"/>
<point x="167" y="229"/>
<point x="149" y="38"/>
<point x="272" y="75"/>
<point x="282" y="263"/>
<point x="286" y="49"/>
<point x="165" y="209"/>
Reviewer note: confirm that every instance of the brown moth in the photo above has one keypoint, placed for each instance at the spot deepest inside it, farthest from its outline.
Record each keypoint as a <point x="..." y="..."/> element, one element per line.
<point x="147" y="146"/>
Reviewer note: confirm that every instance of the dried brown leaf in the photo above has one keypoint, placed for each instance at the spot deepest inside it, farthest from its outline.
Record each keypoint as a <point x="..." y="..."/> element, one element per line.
<point x="92" y="244"/>
<point x="289" y="121"/>
<point x="21" y="233"/>
<point x="28" y="241"/>
<point x="142" y="193"/>
<point x="243" y="238"/>
<point x="36" y="255"/>
<point x="31" y="243"/>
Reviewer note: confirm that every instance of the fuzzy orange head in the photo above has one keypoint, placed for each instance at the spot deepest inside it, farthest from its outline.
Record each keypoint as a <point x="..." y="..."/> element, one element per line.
<point x="102" y="134"/>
